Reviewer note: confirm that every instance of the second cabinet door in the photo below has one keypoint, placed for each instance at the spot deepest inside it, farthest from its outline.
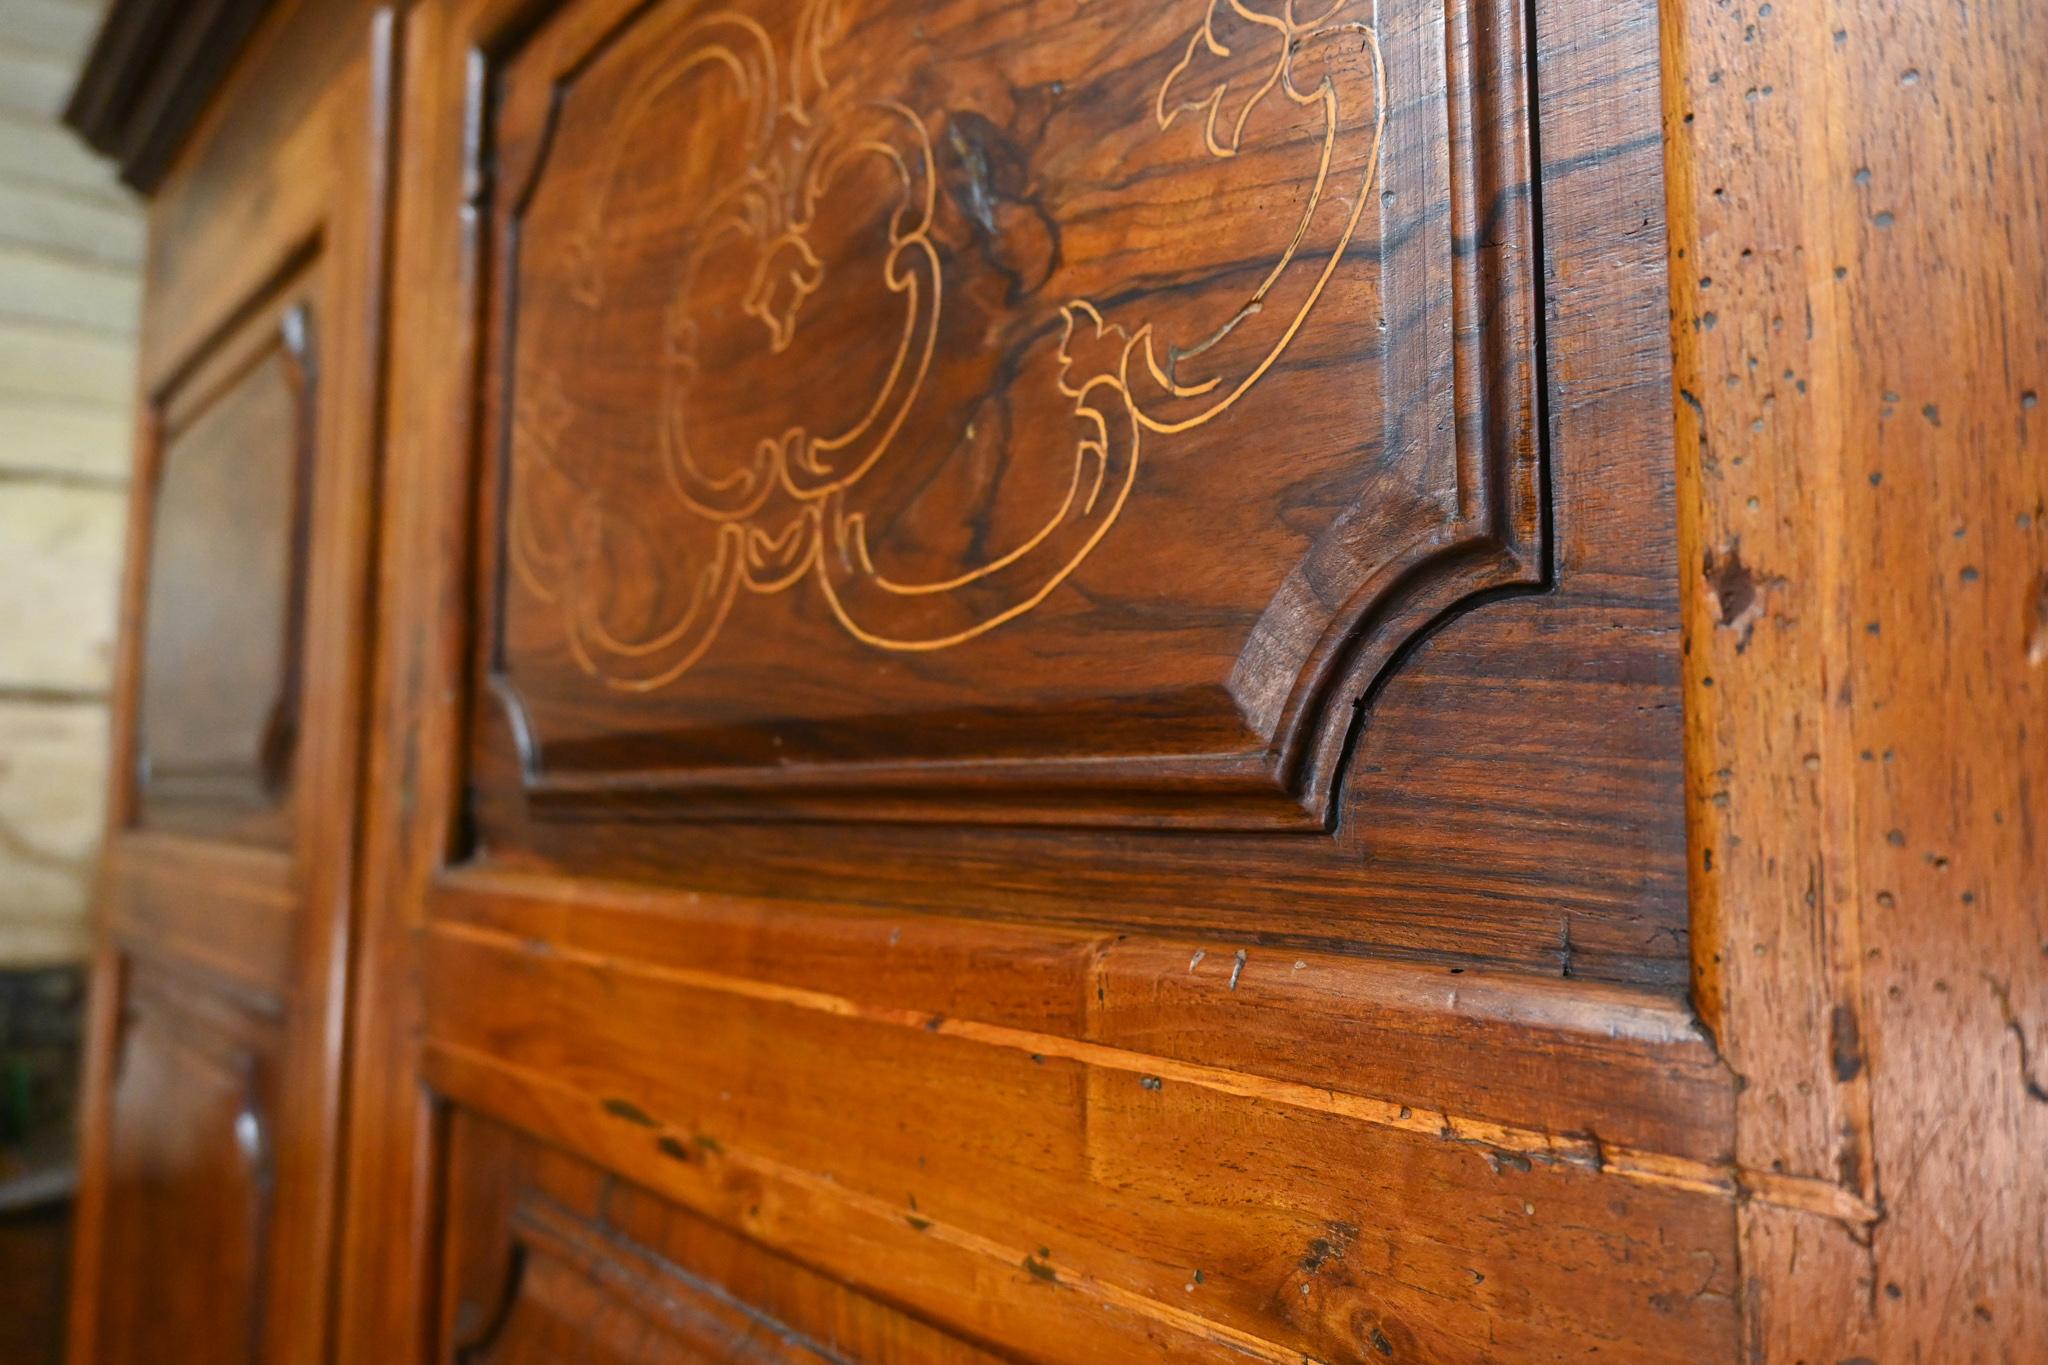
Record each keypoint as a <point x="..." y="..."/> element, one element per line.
<point x="211" y="1156"/>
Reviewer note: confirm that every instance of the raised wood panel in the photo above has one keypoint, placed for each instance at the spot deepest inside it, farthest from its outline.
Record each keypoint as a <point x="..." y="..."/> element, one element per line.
<point x="1508" y="788"/>
<point x="875" y="388"/>
<point x="1028" y="685"/>
<point x="217" y="724"/>
<point x="189" y="1166"/>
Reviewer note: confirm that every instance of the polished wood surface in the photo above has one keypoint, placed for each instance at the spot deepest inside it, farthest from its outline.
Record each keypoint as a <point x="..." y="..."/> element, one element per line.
<point x="925" y="389"/>
<point x="1018" y="995"/>
<point x="209" y="1168"/>
<point x="37" y="1184"/>
<point x="1157" y="687"/>
<point x="1041" y="683"/>
<point x="549" y="1258"/>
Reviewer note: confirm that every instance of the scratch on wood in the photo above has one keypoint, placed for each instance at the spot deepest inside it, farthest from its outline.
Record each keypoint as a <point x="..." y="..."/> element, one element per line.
<point x="1846" y="1038"/>
<point x="1646" y="1167"/>
<point x="2003" y="994"/>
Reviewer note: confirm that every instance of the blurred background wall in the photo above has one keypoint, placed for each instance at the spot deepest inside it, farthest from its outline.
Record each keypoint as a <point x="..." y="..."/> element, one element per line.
<point x="70" y="254"/>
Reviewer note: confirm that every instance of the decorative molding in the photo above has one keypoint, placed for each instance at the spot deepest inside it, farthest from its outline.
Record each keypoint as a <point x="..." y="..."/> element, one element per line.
<point x="633" y="563"/>
<point x="569" y="1281"/>
<point x="248" y="772"/>
<point x="793" y="511"/>
<point x="150" y="72"/>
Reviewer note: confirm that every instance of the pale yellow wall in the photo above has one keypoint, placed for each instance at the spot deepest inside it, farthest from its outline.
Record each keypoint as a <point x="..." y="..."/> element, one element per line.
<point x="70" y="247"/>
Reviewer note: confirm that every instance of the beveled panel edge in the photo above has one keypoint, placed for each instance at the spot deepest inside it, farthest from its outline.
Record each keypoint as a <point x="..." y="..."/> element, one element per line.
<point x="700" y="1311"/>
<point x="1499" y="544"/>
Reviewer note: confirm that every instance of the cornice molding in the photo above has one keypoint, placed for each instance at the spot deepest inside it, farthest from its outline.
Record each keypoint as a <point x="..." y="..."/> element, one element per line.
<point x="150" y="72"/>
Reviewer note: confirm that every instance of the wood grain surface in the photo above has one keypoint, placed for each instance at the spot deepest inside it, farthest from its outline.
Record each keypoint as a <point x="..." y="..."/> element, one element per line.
<point x="1067" y="1064"/>
<point x="1858" y="210"/>
<point x="1499" y="785"/>
<point x="876" y="458"/>
<point x="1043" y="685"/>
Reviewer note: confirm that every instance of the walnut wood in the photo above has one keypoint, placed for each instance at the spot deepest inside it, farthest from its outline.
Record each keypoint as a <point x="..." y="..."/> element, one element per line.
<point x="209" y="1170"/>
<point x="1858" y="206"/>
<point x="34" y="1245"/>
<point x="546" y="1243"/>
<point x="1565" y="1057"/>
<point x="943" y="960"/>
<point x="1253" y="920"/>
<point x="931" y="382"/>
<point x="190" y="1165"/>
<point x="1513" y="699"/>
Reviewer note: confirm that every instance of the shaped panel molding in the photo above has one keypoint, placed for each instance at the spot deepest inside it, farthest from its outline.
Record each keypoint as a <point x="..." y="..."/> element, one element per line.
<point x="902" y="410"/>
<point x="217" y="712"/>
<point x="574" y="1293"/>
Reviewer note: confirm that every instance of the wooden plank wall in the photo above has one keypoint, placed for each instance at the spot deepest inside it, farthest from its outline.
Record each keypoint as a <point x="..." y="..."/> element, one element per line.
<point x="70" y="253"/>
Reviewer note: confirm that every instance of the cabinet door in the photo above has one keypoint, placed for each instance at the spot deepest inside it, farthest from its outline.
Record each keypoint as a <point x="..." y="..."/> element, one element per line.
<point x="1034" y="682"/>
<point x="210" y="1157"/>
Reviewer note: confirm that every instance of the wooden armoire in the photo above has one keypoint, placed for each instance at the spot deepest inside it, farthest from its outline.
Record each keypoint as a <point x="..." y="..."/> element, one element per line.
<point x="1077" y="680"/>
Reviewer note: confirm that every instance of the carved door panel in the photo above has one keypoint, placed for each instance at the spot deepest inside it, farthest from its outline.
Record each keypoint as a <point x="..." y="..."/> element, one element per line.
<point x="1033" y="683"/>
<point x="210" y="1156"/>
